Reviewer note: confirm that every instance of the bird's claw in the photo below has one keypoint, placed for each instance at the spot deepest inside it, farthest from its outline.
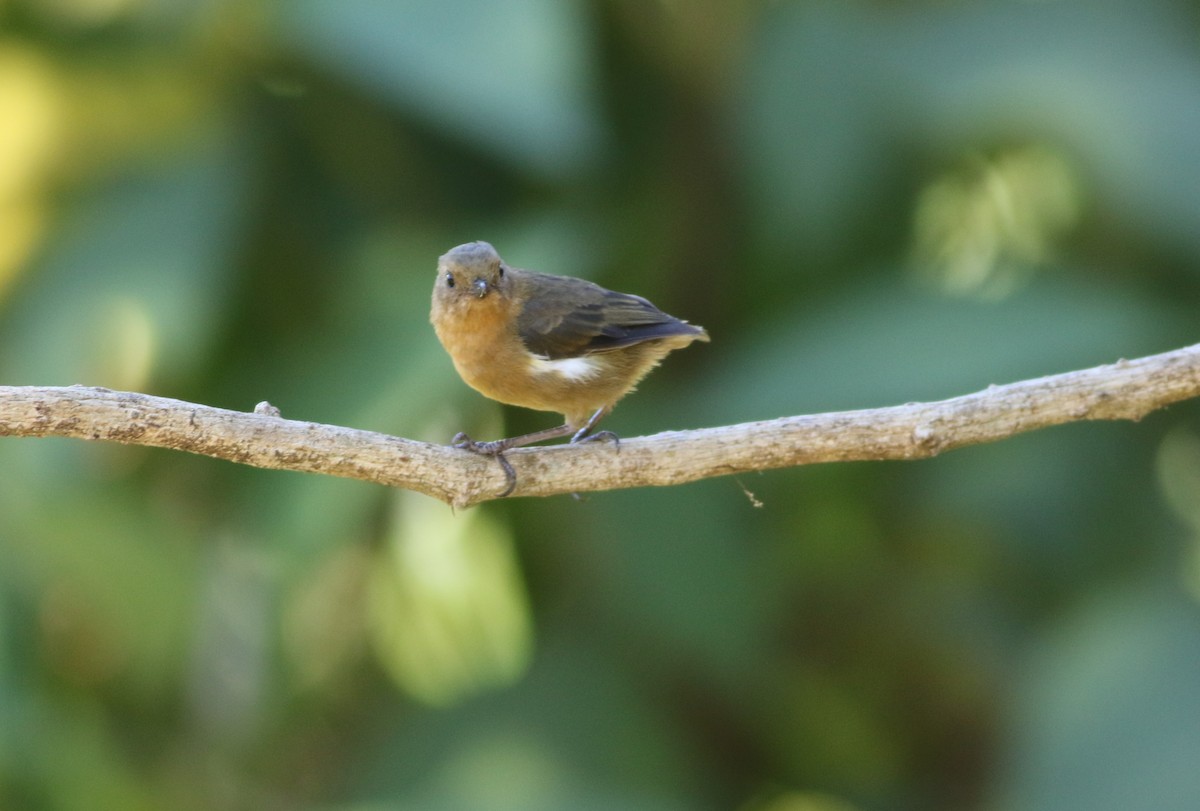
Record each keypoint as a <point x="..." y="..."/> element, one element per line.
<point x="494" y="449"/>
<point x="464" y="442"/>
<point x="599" y="436"/>
<point x="510" y="475"/>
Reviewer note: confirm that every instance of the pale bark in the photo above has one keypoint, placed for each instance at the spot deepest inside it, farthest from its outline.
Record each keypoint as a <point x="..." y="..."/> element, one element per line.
<point x="1128" y="389"/>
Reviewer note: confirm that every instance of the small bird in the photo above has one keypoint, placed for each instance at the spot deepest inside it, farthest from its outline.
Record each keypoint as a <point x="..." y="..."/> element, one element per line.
<point x="550" y="343"/>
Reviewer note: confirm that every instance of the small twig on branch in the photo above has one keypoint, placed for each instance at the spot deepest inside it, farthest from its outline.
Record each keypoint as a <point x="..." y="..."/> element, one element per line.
<point x="1128" y="389"/>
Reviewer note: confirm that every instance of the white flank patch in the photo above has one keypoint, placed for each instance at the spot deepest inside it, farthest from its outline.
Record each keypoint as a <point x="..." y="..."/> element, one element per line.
<point x="569" y="368"/>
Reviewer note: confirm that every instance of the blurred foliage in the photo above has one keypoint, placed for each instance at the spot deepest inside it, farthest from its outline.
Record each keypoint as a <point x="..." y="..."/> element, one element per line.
<point x="865" y="203"/>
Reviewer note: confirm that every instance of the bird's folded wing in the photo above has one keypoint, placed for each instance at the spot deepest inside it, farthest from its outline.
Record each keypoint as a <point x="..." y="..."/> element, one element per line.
<point x="592" y="320"/>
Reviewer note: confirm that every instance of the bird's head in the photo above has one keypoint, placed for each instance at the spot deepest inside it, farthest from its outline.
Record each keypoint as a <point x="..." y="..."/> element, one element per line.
<point x="469" y="272"/>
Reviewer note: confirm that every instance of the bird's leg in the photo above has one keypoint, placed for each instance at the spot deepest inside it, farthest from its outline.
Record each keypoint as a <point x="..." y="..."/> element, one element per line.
<point x="585" y="434"/>
<point x="497" y="448"/>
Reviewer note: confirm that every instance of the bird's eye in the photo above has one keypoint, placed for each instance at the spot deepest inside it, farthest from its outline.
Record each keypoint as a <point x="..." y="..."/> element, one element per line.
<point x="449" y="280"/>
<point x="502" y="271"/>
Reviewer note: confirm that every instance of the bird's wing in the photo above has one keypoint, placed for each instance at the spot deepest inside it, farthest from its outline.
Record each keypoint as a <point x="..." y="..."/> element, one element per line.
<point x="582" y="318"/>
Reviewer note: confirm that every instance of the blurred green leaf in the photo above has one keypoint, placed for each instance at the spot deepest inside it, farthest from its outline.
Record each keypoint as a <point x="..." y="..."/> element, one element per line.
<point x="1119" y="83"/>
<point x="138" y="278"/>
<point x="830" y="87"/>
<point x="1105" y="713"/>
<point x="809" y="125"/>
<point x="514" y="78"/>
<point x="448" y="614"/>
<point x="576" y="732"/>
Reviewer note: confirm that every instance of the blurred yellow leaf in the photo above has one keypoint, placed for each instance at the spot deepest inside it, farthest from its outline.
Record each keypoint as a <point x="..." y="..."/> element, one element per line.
<point x="448" y="610"/>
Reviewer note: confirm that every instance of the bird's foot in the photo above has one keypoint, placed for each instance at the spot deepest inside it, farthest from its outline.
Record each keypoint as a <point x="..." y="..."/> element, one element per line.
<point x="495" y="449"/>
<point x="492" y="448"/>
<point x="599" y="436"/>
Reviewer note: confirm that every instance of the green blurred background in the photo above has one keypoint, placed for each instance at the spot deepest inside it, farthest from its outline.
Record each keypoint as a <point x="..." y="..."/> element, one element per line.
<point x="865" y="203"/>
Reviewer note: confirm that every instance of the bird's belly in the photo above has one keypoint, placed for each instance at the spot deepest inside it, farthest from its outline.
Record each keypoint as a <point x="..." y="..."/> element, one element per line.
<point x="566" y="386"/>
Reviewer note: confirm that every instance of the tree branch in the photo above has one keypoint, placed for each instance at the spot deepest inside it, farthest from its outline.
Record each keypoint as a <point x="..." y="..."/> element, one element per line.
<point x="1127" y="389"/>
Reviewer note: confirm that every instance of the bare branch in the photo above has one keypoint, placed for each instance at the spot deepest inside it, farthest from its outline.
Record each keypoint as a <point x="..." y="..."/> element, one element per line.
<point x="1123" y="390"/>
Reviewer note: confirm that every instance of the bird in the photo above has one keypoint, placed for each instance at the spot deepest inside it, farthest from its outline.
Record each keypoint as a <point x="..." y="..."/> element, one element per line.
<point x="545" y="342"/>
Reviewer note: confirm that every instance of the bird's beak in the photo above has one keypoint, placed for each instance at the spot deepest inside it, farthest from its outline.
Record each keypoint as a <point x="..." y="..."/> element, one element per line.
<point x="481" y="287"/>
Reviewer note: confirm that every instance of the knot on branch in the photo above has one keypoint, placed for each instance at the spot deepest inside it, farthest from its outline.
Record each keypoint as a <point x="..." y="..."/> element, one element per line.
<point x="927" y="439"/>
